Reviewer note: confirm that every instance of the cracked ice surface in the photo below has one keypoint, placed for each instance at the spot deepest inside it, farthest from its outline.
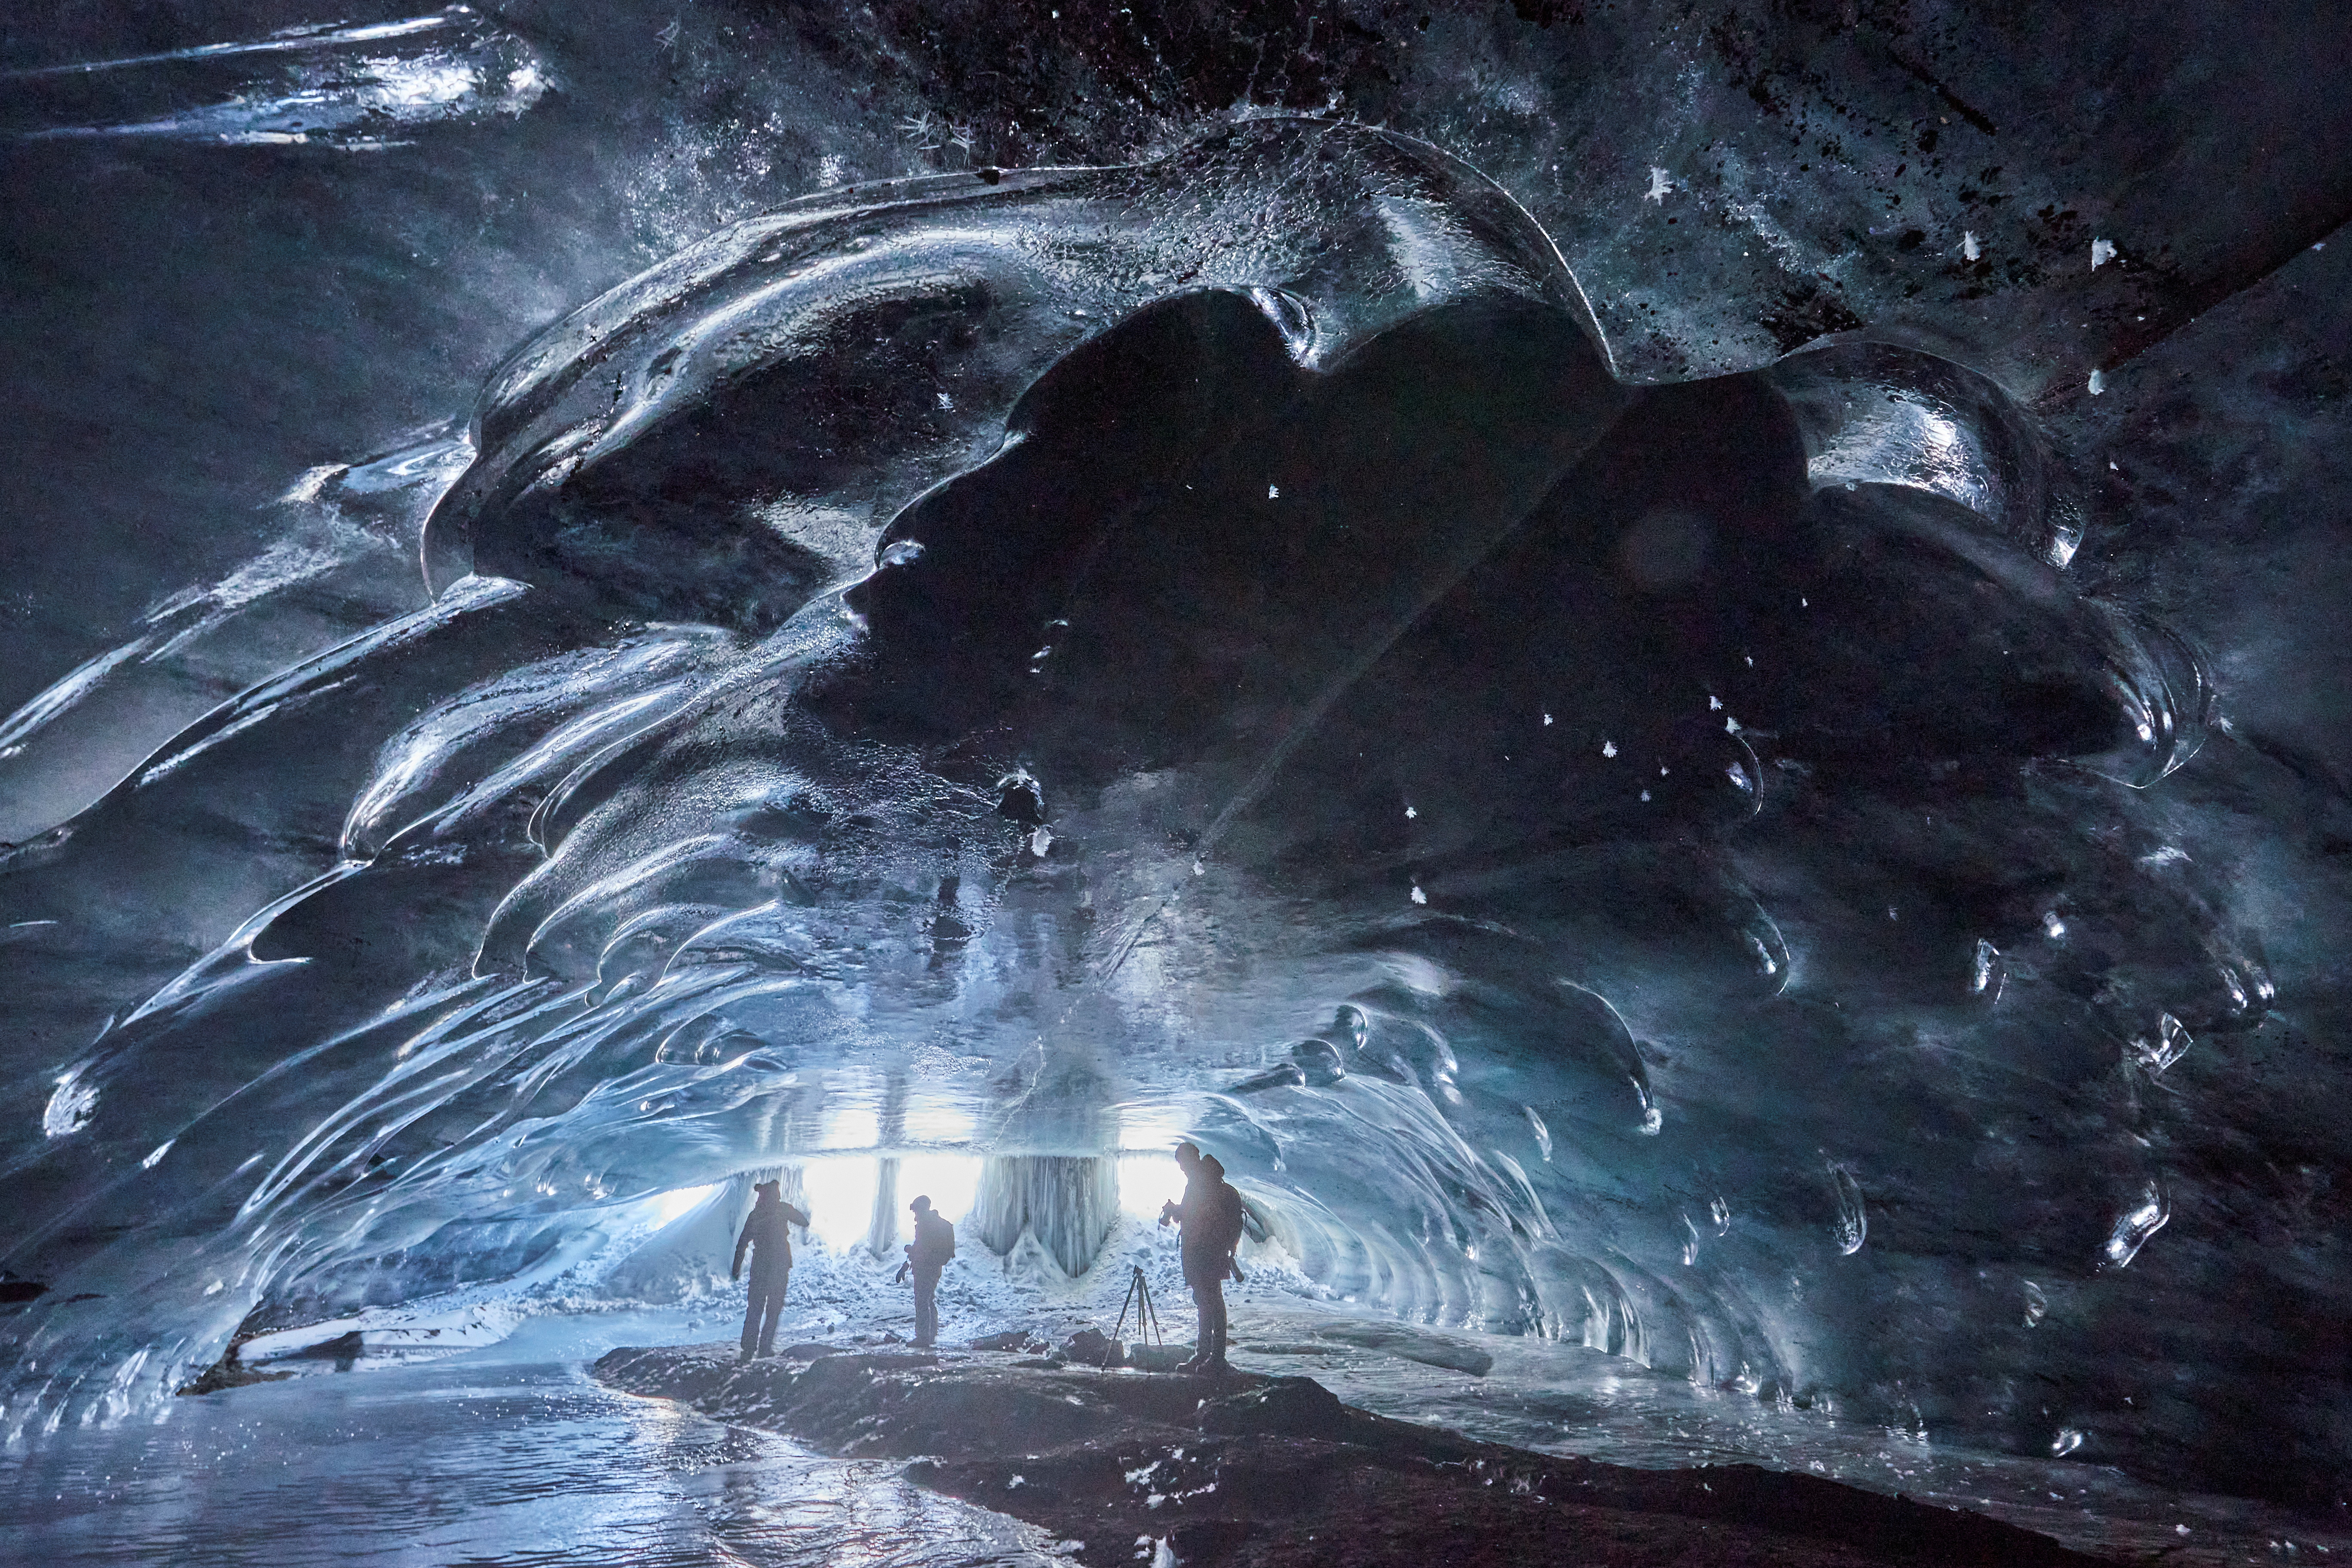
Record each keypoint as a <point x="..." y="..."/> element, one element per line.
<point x="938" y="671"/>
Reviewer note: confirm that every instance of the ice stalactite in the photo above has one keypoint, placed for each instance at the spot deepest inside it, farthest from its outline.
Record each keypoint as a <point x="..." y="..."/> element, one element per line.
<point x="882" y="1227"/>
<point x="1067" y="1203"/>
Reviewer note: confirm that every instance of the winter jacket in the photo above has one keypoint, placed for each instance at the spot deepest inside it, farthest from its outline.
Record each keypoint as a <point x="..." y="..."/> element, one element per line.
<point x="934" y="1241"/>
<point x="1212" y="1216"/>
<point x="766" y="1236"/>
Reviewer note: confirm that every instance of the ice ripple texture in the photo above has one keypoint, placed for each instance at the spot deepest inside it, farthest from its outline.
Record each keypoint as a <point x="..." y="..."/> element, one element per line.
<point x="1008" y="660"/>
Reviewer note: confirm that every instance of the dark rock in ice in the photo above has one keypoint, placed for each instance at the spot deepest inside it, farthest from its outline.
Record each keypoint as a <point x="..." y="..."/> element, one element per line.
<point x="1145" y="1357"/>
<point x="1277" y="1406"/>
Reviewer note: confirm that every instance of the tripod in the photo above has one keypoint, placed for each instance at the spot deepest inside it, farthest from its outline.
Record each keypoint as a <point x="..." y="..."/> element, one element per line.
<point x="1139" y="1298"/>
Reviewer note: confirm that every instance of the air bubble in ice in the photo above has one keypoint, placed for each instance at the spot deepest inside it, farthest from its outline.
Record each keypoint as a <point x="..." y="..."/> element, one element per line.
<point x="2066" y="1442"/>
<point x="1282" y="1075"/>
<point x="1293" y="317"/>
<point x="1770" y="950"/>
<point x="2134" y="1226"/>
<point x="1319" y="1062"/>
<point x="2037" y="1305"/>
<point x="1543" y="1133"/>
<point x="696" y="1042"/>
<point x="1722" y="1213"/>
<point x="69" y="1110"/>
<point x="1987" y="972"/>
<point x="1852" y="1220"/>
<point x="2239" y="1000"/>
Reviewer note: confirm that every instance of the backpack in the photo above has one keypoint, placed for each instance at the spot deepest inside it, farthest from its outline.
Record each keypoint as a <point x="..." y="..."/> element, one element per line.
<point x="1222" y="1231"/>
<point x="934" y="1238"/>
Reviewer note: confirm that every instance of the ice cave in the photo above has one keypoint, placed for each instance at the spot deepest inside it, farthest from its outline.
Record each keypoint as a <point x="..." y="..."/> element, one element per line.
<point x="1681" y="675"/>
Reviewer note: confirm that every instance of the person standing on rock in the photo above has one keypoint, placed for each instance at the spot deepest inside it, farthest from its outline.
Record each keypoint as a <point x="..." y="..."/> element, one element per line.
<point x="927" y="1253"/>
<point x="1211" y="1215"/>
<point x="767" y="1237"/>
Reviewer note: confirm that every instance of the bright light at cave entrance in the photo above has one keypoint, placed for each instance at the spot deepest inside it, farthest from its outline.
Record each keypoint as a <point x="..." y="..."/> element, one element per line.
<point x="840" y="1198"/>
<point x="672" y="1204"/>
<point x="950" y="1181"/>
<point x="1146" y="1181"/>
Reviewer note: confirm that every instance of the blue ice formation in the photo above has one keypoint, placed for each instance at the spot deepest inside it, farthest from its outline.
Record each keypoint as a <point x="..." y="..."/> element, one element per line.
<point x="349" y="86"/>
<point x="1031" y="662"/>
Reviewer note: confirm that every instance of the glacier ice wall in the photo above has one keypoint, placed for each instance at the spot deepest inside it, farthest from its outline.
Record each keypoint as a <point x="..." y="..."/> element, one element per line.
<point x="1204" y="643"/>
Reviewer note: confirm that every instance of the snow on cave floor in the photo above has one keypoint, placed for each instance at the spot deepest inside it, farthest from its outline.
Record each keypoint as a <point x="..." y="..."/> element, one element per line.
<point x="508" y="1453"/>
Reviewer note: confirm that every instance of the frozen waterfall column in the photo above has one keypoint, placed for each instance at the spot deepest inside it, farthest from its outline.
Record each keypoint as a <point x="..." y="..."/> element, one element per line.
<point x="767" y="1234"/>
<point x="890" y="1132"/>
<point x="927" y="1253"/>
<point x="1211" y="1212"/>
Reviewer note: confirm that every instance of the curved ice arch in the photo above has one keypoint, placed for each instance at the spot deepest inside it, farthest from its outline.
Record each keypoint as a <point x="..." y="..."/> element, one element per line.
<point x="406" y="1110"/>
<point x="879" y="336"/>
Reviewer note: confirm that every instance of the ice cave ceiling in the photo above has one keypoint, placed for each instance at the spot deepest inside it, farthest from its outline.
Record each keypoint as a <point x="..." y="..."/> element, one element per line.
<point x="1679" y="672"/>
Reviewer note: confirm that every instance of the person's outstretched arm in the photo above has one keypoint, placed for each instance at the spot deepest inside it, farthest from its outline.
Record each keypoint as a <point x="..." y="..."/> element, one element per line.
<point x="735" y="1269"/>
<point x="795" y="1215"/>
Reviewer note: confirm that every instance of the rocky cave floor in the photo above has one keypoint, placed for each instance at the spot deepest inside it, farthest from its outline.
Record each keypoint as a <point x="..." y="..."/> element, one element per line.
<point x="1130" y="1463"/>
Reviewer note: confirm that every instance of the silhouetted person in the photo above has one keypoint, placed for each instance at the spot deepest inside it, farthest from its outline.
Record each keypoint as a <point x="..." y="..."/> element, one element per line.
<point x="767" y="1237"/>
<point x="1211" y="1213"/>
<point x="927" y="1253"/>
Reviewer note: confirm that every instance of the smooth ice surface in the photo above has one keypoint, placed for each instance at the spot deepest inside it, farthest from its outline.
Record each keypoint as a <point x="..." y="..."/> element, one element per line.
<point x="1801" y="879"/>
<point x="505" y="1460"/>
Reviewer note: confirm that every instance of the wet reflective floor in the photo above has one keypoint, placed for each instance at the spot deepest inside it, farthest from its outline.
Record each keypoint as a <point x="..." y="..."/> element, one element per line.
<point x="512" y="1455"/>
<point x="478" y="1462"/>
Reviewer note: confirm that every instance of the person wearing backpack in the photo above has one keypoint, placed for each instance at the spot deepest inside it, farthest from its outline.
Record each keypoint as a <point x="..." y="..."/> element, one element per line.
<point x="1211" y="1218"/>
<point x="926" y="1254"/>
